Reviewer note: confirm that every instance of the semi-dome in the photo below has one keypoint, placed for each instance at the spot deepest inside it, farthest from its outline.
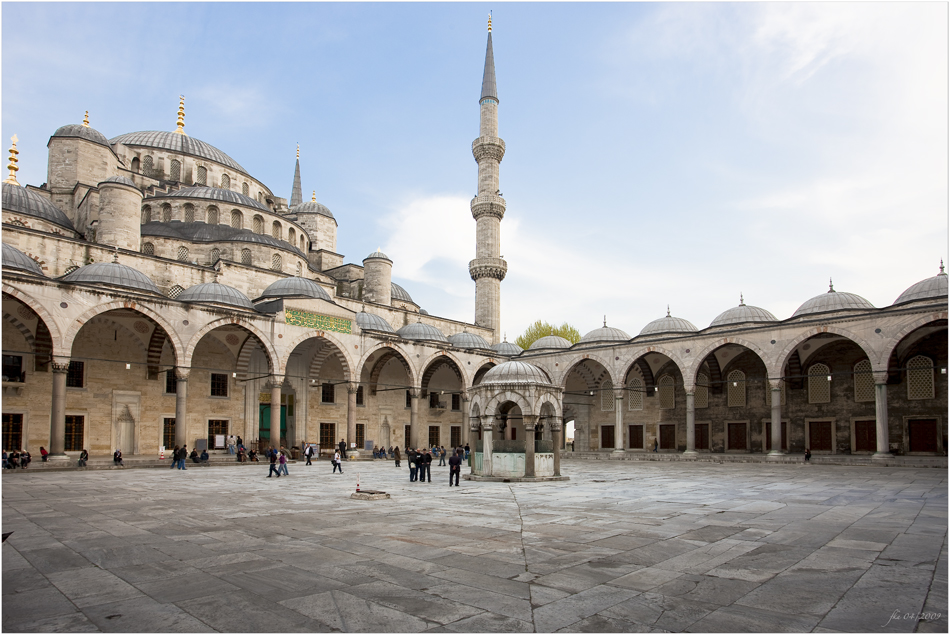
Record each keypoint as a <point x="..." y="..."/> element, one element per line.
<point x="13" y="258"/>
<point x="312" y="207"/>
<point x="377" y="254"/>
<point x="515" y="372"/>
<point x="112" y="274"/>
<point x="935" y="287"/>
<point x="507" y="349"/>
<point x="19" y="200"/>
<point x="372" y="322"/>
<point x="124" y="180"/>
<point x="295" y="287"/>
<point x="215" y="293"/>
<point x="214" y="194"/>
<point x="398" y="293"/>
<point x="669" y="324"/>
<point x="742" y="314"/>
<point x="469" y="340"/>
<point x="550" y="341"/>
<point x="605" y="334"/>
<point x="80" y="131"/>
<point x="177" y="143"/>
<point x="832" y="301"/>
<point x="423" y="312"/>
<point x="420" y="331"/>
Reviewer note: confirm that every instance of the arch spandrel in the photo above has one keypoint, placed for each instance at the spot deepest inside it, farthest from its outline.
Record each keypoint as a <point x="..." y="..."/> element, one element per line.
<point x="69" y="337"/>
<point x="430" y="363"/>
<point x="776" y="365"/>
<point x="269" y="353"/>
<point x="894" y="341"/>
<point x="342" y="353"/>
<point x="690" y="372"/>
<point x="399" y="353"/>
<point x="54" y="328"/>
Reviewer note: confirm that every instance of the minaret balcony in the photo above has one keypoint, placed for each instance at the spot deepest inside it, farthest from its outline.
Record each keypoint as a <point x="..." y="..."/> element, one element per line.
<point x="488" y="147"/>
<point x="488" y="205"/>
<point x="488" y="268"/>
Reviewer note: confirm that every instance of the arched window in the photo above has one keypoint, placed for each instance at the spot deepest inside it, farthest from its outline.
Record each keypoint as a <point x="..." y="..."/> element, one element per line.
<point x="258" y="225"/>
<point x="276" y="262"/>
<point x="148" y="249"/>
<point x="189" y="213"/>
<point x="212" y="215"/>
<point x="819" y="384"/>
<point x="225" y="182"/>
<point x="237" y="219"/>
<point x="245" y="256"/>
<point x="299" y="269"/>
<point x="147" y="164"/>
<point x="863" y="381"/>
<point x="202" y="175"/>
<point x="303" y="243"/>
<point x="291" y="236"/>
<point x="607" y="396"/>
<point x="920" y="378"/>
<point x="175" y="291"/>
<point x="146" y="214"/>
<point x="174" y="173"/>
<point x="701" y="395"/>
<point x="667" y="394"/>
<point x="245" y="189"/>
<point x="183" y="253"/>
<point x="635" y="394"/>
<point x="260" y="196"/>
<point x="735" y="382"/>
<point x="136" y="165"/>
<point x="277" y="230"/>
<point x="166" y="213"/>
<point x="215" y="254"/>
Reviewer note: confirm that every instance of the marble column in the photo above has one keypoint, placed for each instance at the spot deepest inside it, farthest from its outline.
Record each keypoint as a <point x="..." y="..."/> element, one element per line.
<point x="690" y="420"/>
<point x="466" y="429"/>
<point x="474" y="425"/>
<point x="414" y="417"/>
<point x="57" y="420"/>
<point x="487" y="423"/>
<point x="351" y="389"/>
<point x="880" y="411"/>
<point x="181" y="405"/>
<point x="275" y="385"/>
<point x="556" y="433"/>
<point x="776" y="387"/>
<point x="529" y="421"/>
<point x="618" y="421"/>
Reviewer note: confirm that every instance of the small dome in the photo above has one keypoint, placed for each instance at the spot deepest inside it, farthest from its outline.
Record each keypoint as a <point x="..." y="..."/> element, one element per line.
<point x="832" y="301"/>
<point x="120" y="179"/>
<point x="669" y="324"/>
<point x="605" y="334"/>
<point x="295" y="287"/>
<point x="311" y="207"/>
<point x="423" y="312"/>
<point x="214" y="194"/>
<point x="83" y="132"/>
<point x="398" y="293"/>
<point x="935" y="287"/>
<point x="507" y="349"/>
<point x="742" y="314"/>
<point x="550" y="341"/>
<point x="20" y="200"/>
<point x="215" y="293"/>
<point x="515" y="373"/>
<point x="13" y="258"/>
<point x="420" y="331"/>
<point x="177" y="143"/>
<point x="112" y="274"/>
<point x="372" y="322"/>
<point x="377" y="254"/>
<point x="469" y="340"/>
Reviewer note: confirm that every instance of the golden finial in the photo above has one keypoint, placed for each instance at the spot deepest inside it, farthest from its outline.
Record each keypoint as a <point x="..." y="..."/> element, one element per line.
<point x="181" y="115"/>
<point x="85" y="120"/>
<point x="298" y="150"/>
<point x="13" y="161"/>
<point x="314" y="199"/>
<point x="489" y="21"/>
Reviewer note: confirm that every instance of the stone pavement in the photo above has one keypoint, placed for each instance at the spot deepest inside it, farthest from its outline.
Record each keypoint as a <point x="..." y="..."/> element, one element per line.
<point x="621" y="547"/>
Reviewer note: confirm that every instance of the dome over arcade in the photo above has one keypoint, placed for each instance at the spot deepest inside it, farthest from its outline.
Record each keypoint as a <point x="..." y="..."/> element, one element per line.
<point x="469" y="340"/>
<point x="507" y="349"/>
<point x="177" y="143"/>
<point x="215" y="293"/>
<point x="214" y="194"/>
<point x="112" y="274"/>
<point x="550" y="341"/>
<point x="295" y="287"/>
<point x="605" y="334"/>
<point x="832" y="301"/>
<point x="81" y="131"/>
<point x="515" y="372"/>
<point x="742" y="314"/>
<point x="935" y="287"/>
<point x="120" y="179"/>
<point x="420" y="331"/>
<point x="398" y="293"/>
<point x="13" y="258"/>
<point x="19" y="200"/>
<point x="669" y="324"/>
<point x="372" y="322"/>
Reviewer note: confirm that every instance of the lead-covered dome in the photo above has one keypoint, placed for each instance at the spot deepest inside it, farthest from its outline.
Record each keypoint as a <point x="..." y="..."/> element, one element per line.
<point x="605" y="334"/>
<point x="550" y="341"/>
<point x="515" y="372"/>
<point x="669" y="324"/>
<point x="935" y="287"/>
<point x="469" y="340"/>
<point x="112" y="274"/>
<point x="398" y="293"/>
<point x="20" y="200"/>
<point x="215" y="293"/>
<point x="214" y="194"/>
<point x="199" y="232"/>
<point x="377" y="254"/>
<point x="124" y="180"/>
<point x="507" y="349"/>
<point x="420" y="331"/>
<point x="312" y="207"/>
<point x="742" y="314"/>
<point x="295" y="287"/>
<point x="13" y="258"/>
<point x="832" y="301"/>
<point x="80" y="131"/>
<point x="178" y="143"/>
<point x="371" y="322"/>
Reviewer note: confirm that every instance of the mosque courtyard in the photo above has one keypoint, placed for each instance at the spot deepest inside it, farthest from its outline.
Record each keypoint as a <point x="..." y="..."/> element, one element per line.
<point x="621" y="547"/>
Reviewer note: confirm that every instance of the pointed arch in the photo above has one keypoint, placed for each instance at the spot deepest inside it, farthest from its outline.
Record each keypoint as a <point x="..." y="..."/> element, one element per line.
<point x="691" y="371"/>
<point x="480" y="373"/>
<point x="776" y="364"/>
<point x="373" y="364"/>
<point x="436" y="361"/>
<point x="497" y="400"/>
<point x="45" y="317"/>
<point x="269" y="353"/>
<point x="594" y="357"/>
<point x="894" y="341"/>
<point x="638" y="355"/>
<point x="66" y="343"/>
<point x="323" y="336"/>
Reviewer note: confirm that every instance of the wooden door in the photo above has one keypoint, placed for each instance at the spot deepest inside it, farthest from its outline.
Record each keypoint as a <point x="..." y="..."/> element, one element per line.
<point x="636" y="437"/>
<point x="606" y="436"/>
<point x="923" y="435"/>
<point x="702" y="436"/>
<point x="819" y="433"/>
<point x="737" y="436"/>
<point x="865" y="436"/>
<point x="668" y="437"/>
<point x="768" y="436"/>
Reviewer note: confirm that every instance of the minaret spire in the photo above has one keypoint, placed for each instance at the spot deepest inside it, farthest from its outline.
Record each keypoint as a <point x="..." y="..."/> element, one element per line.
<point x="296" y="194"/>
<point x="488" y="76"/>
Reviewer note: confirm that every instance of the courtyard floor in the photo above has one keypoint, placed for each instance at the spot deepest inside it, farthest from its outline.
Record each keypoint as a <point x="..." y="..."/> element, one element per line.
<point x="621" y="547"/>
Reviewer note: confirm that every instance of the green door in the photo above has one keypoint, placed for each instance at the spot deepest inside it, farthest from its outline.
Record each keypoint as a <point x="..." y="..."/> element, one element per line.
<point x="265" y="422"/>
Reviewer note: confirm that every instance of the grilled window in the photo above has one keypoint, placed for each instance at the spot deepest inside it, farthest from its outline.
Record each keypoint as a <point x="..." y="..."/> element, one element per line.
<point x="202" y="176"/>
<point x="701" y="395"/>
<point x="327" y="393"/>
<point x="920" y="378"/>
<point x="219" y="385"/>
<point x="819" y="384"/>
<point x="246" y="257"/>
<point x="667" y="395"/>
<point x="863" y="381"/>
<point x="225" y="182"/>
<point x="635" y="394"/>
<point x="735" y="396"/>
<point x="75" y="376"/>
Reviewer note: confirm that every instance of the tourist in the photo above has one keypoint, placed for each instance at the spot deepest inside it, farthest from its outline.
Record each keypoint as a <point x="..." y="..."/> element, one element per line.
<point x="807" y="455"/>
<point x="467" y="450"/>
<point x="83" y="457"/>
<point x="308" y="452"/>
<point x="282" y="460"/>
<point x="25" y="459"/>
<point x="175" y="457"/>
<point x="656" y="445"/>
<point x="182" y="455"/>
<point x="455" y="468"/>
<point x="4" y="458"/>
<point x="337" y="462"/>
<point x="13" y="460"/>
<point x="241" y="455"/>
<point x="441" y="456"/>
<point x="232" y="442"/>
<point x="342" y="446"/>
<point x="194" y="456"/>
<point x="204" y="456"/>
<point x="425" y="469"/>
<point x="273" y="464"/>
<point x="44" y="454"/>
<point x="117" y="457"/>
<point x="396" y="456"/>
<point x="413" y="468"/>
<point x="252" y="456"/>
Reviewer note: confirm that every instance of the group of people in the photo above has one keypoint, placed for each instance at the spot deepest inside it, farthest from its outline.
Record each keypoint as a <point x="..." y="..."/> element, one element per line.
<point x="278" y="462"/>
<point x="17" y="458"/>
<point x="420" y="463"/>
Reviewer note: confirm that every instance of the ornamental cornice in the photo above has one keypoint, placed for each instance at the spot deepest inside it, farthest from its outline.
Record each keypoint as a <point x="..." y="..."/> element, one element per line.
<point x="488" y="268"/>
<point x="488" y="205"/>
<point x="488" y="147"/>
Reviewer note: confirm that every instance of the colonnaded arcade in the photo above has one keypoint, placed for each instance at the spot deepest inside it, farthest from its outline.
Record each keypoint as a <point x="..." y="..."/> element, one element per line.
<point x="155" y="293"/>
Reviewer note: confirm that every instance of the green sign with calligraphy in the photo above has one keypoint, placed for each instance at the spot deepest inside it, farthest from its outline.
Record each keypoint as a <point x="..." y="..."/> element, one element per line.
<point x="319" y="322"/>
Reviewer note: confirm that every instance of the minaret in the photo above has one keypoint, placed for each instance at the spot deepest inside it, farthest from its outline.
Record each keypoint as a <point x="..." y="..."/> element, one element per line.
<point x="296" y="195"/>
<point x="488" y="207"/>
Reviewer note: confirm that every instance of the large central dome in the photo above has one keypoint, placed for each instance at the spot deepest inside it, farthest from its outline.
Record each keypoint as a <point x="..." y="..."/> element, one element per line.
<point x="177" y="143"/>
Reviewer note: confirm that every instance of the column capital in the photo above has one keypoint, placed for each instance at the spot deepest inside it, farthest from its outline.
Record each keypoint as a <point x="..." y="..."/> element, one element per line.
<point x="60" y="364"/>
<point x="415" y="393"/>
<point x="555" y="424"/>
<point x="275" y="381"/>
<point x="618" y="392"/>
<point x="487" y="422"/>
<point x="689" y="389"/>
<point x="352" y="387"/>
<point x="880" y="376"/>
<point x="775" y="384"/>
<point x="181" y="374"/>
<point x="529" y="420"/>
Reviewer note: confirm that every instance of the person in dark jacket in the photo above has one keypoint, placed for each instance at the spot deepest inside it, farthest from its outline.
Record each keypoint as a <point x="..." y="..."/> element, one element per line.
<point x="342" y="446"/>
<point x="396" y="456"/>
<point x="455" y="467"/>
<point x="273" y="465"/>
<point x="425" y="469"/>
<point x="413" y="468"/>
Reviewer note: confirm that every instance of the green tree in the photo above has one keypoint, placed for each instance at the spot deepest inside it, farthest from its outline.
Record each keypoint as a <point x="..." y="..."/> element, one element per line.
<point x="542" y="329"/>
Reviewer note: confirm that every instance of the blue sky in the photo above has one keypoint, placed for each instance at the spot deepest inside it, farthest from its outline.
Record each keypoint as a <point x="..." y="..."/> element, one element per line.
<point x="657" y="154"/>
